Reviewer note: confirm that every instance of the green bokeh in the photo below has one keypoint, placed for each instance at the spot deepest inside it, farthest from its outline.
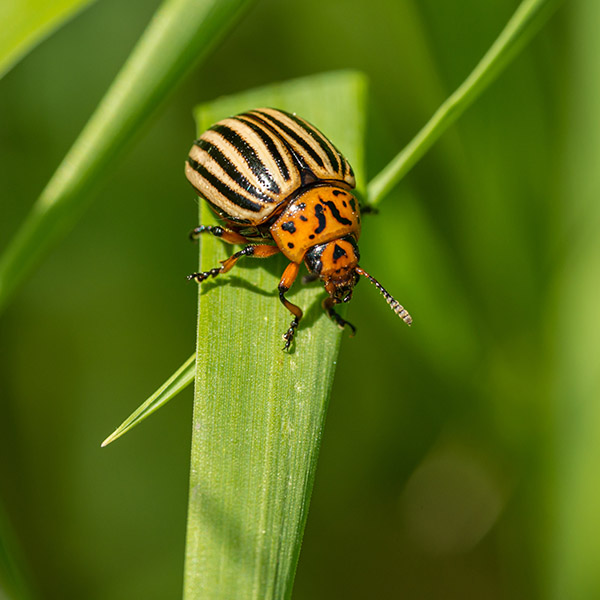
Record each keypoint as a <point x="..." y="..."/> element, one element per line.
<point x="438" y="474"/>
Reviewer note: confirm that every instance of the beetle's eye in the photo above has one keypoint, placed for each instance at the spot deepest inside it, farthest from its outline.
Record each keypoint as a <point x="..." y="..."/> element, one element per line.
<point x="312" y="258"/>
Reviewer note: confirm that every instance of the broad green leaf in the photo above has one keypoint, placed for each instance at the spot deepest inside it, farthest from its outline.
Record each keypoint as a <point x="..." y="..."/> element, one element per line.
<point x="526" y="22"/>
<point x="181" y="33"/>
<point x="175" y="384"/>
<point x="25" y="23"/>
<point x="259" y="412"/>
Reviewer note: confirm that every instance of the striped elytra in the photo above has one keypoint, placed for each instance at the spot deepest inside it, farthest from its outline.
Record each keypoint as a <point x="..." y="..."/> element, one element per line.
<point x="247" y="165"/>
<point x="279" y="185"/>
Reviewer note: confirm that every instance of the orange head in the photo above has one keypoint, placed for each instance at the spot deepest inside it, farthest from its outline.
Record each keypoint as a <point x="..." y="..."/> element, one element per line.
<point x="336" y="264"/>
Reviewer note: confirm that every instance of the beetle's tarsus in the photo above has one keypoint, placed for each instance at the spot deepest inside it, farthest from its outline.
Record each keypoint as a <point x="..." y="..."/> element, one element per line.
<point x="198" y="231"/>
<point x="200" y="277"/>
<point x="341" y="323"/>
<point x="288" y="336"/>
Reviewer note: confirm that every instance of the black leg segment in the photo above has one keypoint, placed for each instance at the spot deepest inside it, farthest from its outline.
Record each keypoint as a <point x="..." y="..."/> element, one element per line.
<point x="231" y="237"/>
<point x="257" y="251"/>
<point x="328" y="305"/>
<point x="287" y="279"/>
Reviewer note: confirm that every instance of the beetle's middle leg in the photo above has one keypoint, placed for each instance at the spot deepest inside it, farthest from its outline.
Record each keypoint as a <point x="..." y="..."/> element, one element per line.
<point x="368" y="209"/>
<point x="231" y="237"/>
<point x="287" y="280"/>
<point x="254" y="250"/>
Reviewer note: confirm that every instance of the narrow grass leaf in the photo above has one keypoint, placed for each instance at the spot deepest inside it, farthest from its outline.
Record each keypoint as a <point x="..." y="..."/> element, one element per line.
<point x="573" y="546"/>
<point x="525" y="22"/>
<point x="168" y="390"/>
<point x="15" y="576"/>
<point x="259" y="412"/>
<point x="181" y="33"/>
<point x="26" y="23"/>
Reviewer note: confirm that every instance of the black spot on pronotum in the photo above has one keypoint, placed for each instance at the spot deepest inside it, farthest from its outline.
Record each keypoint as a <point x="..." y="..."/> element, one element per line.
<point x="303" y="218"/>
<point x="289" y="226"/>
<point x="319" y="209"/>
<point x="336" y="214"/>
<point x="290" y="245"/>
<point x="311" y="236"/>
<point x="338" y="252"/>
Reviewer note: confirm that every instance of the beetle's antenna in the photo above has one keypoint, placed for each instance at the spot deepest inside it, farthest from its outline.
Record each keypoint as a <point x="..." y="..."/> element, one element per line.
<point x="394" y="304"/>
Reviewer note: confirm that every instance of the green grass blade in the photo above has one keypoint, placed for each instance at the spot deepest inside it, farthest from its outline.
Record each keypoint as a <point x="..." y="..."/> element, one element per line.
<point x="181" y="33"/>
<point x="15" y="576"/>
<point x="574" y="520"/>
<point x="168" y="390"/>
<point x="258" y="411"/>
<point x="525" y="22"/>
<point x="25" y="24"/>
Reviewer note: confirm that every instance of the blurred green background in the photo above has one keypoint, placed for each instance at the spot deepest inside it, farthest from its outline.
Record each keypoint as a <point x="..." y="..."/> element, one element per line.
<point x="459" y="459"/>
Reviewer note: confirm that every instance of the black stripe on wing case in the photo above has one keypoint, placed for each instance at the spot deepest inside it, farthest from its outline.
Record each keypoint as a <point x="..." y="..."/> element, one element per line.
<point x="319" y="139"/>
<point x="215" y="153"/>
<point x="267" y="138"/>
<point x="343" y="164"/>
<point x="224" y="189"/>
<point x="249" y="155"/>
<point x="297" y="156"/>
<point x="294" y="136"/>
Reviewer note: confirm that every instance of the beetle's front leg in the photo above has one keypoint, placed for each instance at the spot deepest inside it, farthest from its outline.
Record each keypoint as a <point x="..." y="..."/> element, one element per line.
<point x="231" y="237"/>
<point x="256" y="251"/>
<point x="328" y="305"/>
<point x="287" y="280"/>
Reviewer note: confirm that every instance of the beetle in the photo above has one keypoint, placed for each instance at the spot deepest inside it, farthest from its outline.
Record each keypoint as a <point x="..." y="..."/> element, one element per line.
<point x="278" y="184"/>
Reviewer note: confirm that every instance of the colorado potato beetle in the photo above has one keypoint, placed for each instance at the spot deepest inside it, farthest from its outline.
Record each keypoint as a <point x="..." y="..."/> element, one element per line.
<point x="279" y="185"/>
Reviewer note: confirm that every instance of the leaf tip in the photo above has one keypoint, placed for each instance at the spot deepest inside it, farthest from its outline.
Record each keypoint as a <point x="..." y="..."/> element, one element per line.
<point x="111" y="438"/>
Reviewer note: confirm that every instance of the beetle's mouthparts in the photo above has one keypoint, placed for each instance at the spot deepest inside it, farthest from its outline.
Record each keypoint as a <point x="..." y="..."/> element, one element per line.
<point x="341" y="289"/>
<point x="343" y="294"/>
